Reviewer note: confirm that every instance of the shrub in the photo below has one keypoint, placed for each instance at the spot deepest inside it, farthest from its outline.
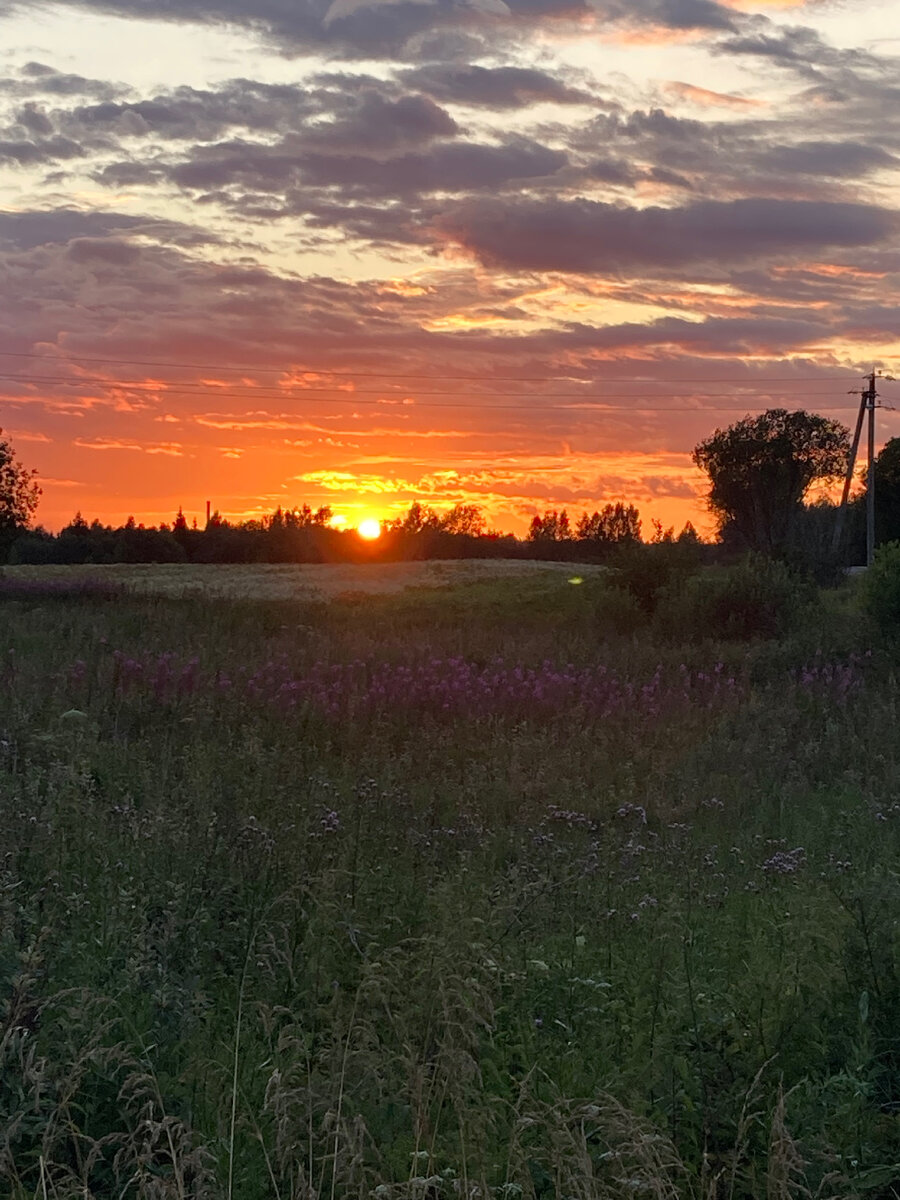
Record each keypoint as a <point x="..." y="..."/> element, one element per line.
<point x="756" y="598"/>
<point x="649" y="571"/>
<point x="618" y="611"/>
<point x="881" y="586"/>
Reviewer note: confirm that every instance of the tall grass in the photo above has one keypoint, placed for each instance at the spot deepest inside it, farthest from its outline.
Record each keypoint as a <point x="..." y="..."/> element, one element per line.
<point x="485" y="931"/>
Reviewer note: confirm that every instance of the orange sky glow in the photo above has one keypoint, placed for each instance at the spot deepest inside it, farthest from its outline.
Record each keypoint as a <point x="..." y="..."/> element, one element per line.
<point x="521" y="255"/>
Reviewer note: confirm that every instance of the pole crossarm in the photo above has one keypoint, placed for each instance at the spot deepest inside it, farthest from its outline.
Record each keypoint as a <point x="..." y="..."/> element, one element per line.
<point x="867" y="404"/>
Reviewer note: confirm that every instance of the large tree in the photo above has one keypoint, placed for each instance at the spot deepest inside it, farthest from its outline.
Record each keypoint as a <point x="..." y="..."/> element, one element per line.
<point x="887" y="492"/>
<point x="761" y="468"/>
<point x="19" y="494"/>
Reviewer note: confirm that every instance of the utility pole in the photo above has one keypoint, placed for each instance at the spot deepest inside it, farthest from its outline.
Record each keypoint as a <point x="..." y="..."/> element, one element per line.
<point x="870" y="396"/>
<point x="867" y="398"/>
<point x="848" y="478"/>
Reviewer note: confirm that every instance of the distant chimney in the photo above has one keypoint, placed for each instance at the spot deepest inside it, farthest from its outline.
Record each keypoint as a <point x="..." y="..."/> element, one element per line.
<point x="207" y="512"/>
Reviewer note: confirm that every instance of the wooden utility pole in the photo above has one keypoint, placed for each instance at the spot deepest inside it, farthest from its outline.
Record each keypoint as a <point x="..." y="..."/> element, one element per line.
<point x="848" y="478"/>
<point x="870" y="396"/>
<point x="867" y="398"/>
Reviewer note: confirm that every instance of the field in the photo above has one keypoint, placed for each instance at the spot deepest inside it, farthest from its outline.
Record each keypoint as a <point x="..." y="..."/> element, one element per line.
<point x="264" y="581"/>
<point x="458" y="888"/>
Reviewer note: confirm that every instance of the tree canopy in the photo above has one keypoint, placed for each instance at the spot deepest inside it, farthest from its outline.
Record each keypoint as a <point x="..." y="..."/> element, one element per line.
<point x="553" y="526"/>
<point x="887" y="492"/>
<point x="613" y="525"/>
<point x="761" y="468"/>
<point x="19" y="493"/>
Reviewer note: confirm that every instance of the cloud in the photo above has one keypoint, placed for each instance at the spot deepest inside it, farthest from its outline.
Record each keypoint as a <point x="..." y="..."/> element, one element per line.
<point x="494" y="88"/>
<point x="31" y="153"/>
<point x="447" y="167"/>
<point x="798" y="46"/>
<point x="838" y="159"/>
<point x="26" y="230"/>
<point x="104" y="443"/>
<point x="585" y="235"/>
<point x="378" y="124"/>
<point x="35" y="78"/>
<point x="706" y="98"/>
<point x="169" y="449"/>
<point x="187" y="113"/>
<point x="103" y="251"/>
<point x="372" y="28"/>
<point x="56" y="227"/>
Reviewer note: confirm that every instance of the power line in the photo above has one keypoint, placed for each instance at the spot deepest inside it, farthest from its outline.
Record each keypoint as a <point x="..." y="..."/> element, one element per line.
<point x="321" y="393"/>
<point x="585" y="409"/>
<point x="136" y="362"/>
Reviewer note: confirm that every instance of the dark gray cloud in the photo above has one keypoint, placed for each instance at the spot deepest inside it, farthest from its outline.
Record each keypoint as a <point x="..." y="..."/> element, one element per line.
<point x="103" y="252"/>
<point x="587" y="236"/>
<point x="838" y="159"/>
<point x="23" y="231"/>
<point x="43" y="80"/>
<point x="32" y="153"/>
<point x="494" y="87"/>
<point x="607" y="170"/>
<point x="451" y="167"/>
<point x="390" y="223"/>
<point x="192" y="114"/>
<point x="396" y="27"/>
<point x="799" y="47"/>
<point x="815" y="155"/>
<point x="26" y="230"/>
<point x="716" y="335"/>
<point x="377" y="123"/>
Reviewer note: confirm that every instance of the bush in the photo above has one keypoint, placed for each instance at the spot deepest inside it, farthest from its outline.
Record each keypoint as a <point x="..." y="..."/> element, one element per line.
<point x="881" y="586"/>
<point x="647" y="572"/>
<point x="756" y="598"/>
<point x="617" y="611"/>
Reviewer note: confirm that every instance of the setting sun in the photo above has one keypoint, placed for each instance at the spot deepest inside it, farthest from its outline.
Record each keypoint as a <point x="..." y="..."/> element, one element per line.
<point x="369" y="529"/>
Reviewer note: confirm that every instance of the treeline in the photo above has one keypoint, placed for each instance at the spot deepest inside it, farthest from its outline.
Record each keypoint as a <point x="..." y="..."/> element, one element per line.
<point x="306" y="535"/>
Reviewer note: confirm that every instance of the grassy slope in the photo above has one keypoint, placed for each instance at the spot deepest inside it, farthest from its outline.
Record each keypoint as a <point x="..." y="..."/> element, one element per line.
<point x="259" y="950"/>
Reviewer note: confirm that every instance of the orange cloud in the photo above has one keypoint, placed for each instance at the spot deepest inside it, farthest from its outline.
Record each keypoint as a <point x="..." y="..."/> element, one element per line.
<point x="173" y="449"/>
<point x="709" y="99"/>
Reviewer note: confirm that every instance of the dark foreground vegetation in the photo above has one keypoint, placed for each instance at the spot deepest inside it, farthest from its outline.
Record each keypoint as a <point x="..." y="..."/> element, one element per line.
<point x="549" y="890"/>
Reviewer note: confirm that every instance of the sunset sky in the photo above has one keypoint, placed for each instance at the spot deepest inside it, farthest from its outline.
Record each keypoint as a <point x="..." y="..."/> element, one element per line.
<point x="522" y="253"/>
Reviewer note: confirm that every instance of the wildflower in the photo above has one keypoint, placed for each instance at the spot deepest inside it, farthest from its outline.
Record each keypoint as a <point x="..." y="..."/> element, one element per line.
<point x="330" y="821"/>
<point x="785" y="862"/>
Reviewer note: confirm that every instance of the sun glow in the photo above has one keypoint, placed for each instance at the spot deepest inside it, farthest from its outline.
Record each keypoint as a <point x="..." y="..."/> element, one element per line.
<point x="369" y="529"/>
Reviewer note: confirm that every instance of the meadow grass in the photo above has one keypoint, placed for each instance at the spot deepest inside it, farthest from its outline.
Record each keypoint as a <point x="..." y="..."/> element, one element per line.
<point x="296" y="581"/>
<point x="444" y="893"/>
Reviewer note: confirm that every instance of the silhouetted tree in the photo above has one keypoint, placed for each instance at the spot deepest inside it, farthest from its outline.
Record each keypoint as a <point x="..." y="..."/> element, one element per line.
<point x="688" y="536"/>
<point x="418" y="518"/>
<point x="761" y="468"/>
<point x="19" y="495"/>
<point x="887" y="492"/>
<point x="466" y="520"/>
<point x="613" y="525"/>
<point x="553" y="526"/>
